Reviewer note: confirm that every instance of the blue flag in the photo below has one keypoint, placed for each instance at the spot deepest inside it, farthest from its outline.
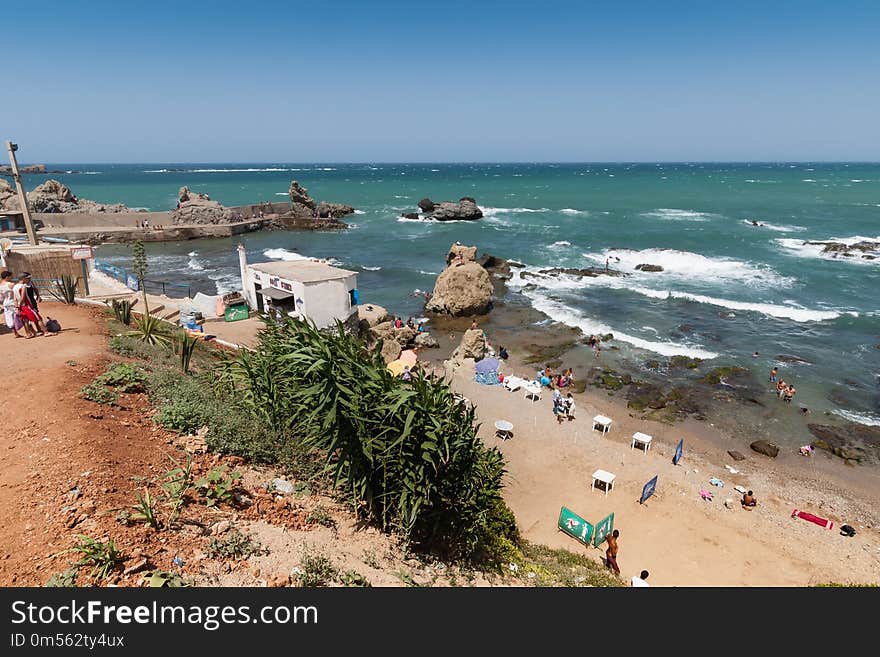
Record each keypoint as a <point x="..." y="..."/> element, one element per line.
<point x="648" y="490"/>
<point x="678" y="450"/>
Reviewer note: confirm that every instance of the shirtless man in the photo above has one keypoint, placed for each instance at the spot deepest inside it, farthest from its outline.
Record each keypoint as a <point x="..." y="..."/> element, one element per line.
<point x="780" y="388"/>
<point x="789" y="393"/>
<point x="749" y="501"/>
<point x="611" y="552"/>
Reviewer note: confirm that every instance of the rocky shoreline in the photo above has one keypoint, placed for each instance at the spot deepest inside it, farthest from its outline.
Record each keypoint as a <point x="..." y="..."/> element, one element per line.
<point x="59" y="213"/>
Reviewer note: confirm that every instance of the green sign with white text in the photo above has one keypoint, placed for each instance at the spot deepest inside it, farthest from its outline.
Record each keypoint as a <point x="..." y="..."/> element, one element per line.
<point x="603" y="528"/>
<point x="575" y="526"/>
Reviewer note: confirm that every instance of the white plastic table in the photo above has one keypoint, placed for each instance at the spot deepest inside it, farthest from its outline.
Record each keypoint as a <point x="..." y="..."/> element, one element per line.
<point x="533" y="391"/>
<point x="640" y="438"/>
<point x="601" y="423"/>
<point x="503" y="429"/>
<point x="606" y="478"/>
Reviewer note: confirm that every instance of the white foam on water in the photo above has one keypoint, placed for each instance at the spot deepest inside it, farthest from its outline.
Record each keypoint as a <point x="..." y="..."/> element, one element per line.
<point x="422" y="220"/>
<point x="803" y="249"/>
<point x="429" y="273"/>
<point x="808" y="180"/>
<point x="491" y="212"/>
<point x="782" y="228"/>
<point x="227" y="283"/>
<point x="284" y="254"/>
<point x="370" y="268"/>
<point x="193" y="254"/>
<point x="571" y="317"/>
<point x="359" y="212"/>
<point x="674" y="214"/>
<point x="861" y="418"/>
<point x="560" y="244"/>
<point x="572" y="211"/>
<point x="565" y="282"/>
<point x="688" y="266"/>
<point x="281" y="193"/>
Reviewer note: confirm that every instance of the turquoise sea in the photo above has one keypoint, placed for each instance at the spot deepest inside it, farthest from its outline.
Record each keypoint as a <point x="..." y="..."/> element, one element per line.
<point x="727" y="289"/>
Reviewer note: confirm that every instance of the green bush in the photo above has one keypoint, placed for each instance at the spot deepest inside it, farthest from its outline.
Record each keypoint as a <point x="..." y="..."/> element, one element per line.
<point x="124" y="377"/>
<point x="406" y="456"/>
<point x="99" y="393"/>
<point x="234" y="545"/>
<point x="183" y="416"/>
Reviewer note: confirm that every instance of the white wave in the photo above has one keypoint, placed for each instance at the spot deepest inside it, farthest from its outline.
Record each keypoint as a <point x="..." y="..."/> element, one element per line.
<point x="420" y="220"/>
<point x="560" y="243"/>
<point x="193" y="254"/>
<point x="429" y="273"/>
<point x="90" y="173"/>
<point x="572" y="211"/>
<point x="689" y="266"/>
<point x="856" y="180"/>
<point x="435" y="170"/>
<point x="227" y="283"/>
<point x="491" y="212"/>
<point x="156" y="171"/>
<point x="673" y="214"/>
<point x="766" y="182"/>
<point x="370" y="268"/>
<point x="359" y="212"/>
<point x="861" y="418"/>
<point x="194" y="264"/>
<point x="281" y="193"/>
<point x="808" y="180"/>
<point x="806" y="250"/>
<point x="284" y="254"/>
<point x="631" y="284"/>
<point x="247" y="170"/>
<point x="326" y="169"/>
<point x="782" y="228"/>
<point x="571" y="317"/>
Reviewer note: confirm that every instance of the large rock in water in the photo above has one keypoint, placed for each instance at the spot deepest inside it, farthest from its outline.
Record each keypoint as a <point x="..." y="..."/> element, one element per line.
<point x="766" y="448"/>
<point x="333" y="210"/>
<point x="461" y="289"/>
<point x="198" y="208"/>
<point x="465" y="210"/>
<point x="299" y="195"/>
<point x="461" y="253"/>
<point x="426" y="205"/>
<point x="852" y="442"/>
<point x="473" y="345"/>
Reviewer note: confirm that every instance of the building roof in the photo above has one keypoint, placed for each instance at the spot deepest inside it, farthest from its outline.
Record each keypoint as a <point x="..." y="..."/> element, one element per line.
<point x="303" y="271"/>
<point x="274" y="293"/>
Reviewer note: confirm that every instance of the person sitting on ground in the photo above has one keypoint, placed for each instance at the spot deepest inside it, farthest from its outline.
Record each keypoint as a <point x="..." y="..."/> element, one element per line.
<point x="406" y="376"/>
<point x="410" y="323"/>
<point x="640" y="580"/>
<point x="502" y="353"/>
<point x="398" y="323"/>
<point x="749" y="501"/>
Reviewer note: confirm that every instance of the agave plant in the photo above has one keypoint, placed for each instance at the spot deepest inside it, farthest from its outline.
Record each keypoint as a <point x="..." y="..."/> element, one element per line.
<point x="150" y="329"/>
<point x="183" y="344"/>
<point x="121" y="310"/>
<point x="64" y="288"/>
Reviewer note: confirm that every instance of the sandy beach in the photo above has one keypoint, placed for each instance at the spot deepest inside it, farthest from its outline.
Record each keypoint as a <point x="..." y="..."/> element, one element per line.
<point x="678" y="537"/>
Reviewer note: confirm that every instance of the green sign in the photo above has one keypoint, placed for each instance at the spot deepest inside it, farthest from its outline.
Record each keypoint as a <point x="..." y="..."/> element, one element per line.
<point x="575" y="526"/>
<point x="604" y="527"/>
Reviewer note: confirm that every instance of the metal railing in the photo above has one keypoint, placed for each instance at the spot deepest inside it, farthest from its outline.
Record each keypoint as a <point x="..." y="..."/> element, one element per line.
<point x="150" y="285"/>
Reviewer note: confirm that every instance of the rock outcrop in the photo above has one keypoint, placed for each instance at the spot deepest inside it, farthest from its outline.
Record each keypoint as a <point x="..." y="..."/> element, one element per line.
<point x="766" y="448"/>
<point x="53" y="196"/>
<point x="299" y="196"/>
<point x="333" y="210"/>
<point x="372" y="315"/>
<point x="465" y="209"/>
<point x="591" y="272"/>
<point x="851" y="442"/>
<point x="646" y="267"/>
<point x="496" y="266"/>
<point x="426" y="340"/>
<point x="867" y="249"/>
<point x="198" y="208"/>
<point x="463" y="288"/>
<point x="473" y="345"/>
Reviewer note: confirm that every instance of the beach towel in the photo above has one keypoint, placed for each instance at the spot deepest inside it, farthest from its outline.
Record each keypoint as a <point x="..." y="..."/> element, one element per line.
<point x="715" y="481"/>
<point x="740" y="489"/>
<point x="822" y="522"/>
<point x="706" y="494"/>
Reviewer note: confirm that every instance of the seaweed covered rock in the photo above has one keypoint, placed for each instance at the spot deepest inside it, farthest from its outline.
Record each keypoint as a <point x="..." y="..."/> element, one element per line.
<point x="852" y="441"/>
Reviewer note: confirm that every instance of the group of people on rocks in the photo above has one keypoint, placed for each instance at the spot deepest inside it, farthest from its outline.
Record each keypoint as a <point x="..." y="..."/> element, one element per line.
<point x="553" y="380"/>
<point x="398" y="323"/>
<point x="20" y="299"/>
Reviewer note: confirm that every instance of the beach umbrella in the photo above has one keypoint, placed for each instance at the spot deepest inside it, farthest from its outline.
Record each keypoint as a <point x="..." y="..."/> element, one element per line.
<point x="396" y="366"/>
<point x="409" y="356"/>
<point x="487" y="365"/>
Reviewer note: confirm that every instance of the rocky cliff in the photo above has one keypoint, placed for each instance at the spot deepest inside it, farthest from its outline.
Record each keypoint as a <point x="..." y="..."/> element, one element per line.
<point x="54" y="196"/>
<point x="464" y="287"/>
<point x="198" y="208"/>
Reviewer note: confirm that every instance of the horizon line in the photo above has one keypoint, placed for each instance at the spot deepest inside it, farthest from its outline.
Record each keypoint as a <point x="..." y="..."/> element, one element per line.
<point x="459" y="162"/>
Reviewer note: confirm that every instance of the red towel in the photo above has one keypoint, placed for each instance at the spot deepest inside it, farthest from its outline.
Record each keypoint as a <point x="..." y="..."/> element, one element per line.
<point x="822" y="522"/>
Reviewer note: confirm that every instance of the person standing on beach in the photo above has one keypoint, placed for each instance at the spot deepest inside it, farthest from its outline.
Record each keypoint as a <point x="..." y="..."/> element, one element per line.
<point x="8" y="302"/>
<point x="611" y="552"/>
<point x="33" y="293"/>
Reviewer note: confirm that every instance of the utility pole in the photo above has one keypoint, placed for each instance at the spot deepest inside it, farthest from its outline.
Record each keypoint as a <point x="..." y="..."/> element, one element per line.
<point x="22" y="196"/>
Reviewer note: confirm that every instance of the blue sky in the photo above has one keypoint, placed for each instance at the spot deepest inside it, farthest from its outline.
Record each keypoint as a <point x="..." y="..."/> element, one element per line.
<point x="442" y="81"/>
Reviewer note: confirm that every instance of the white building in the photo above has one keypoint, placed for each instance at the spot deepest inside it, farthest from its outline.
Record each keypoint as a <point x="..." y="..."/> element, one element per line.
<point x="306" y="289"/>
